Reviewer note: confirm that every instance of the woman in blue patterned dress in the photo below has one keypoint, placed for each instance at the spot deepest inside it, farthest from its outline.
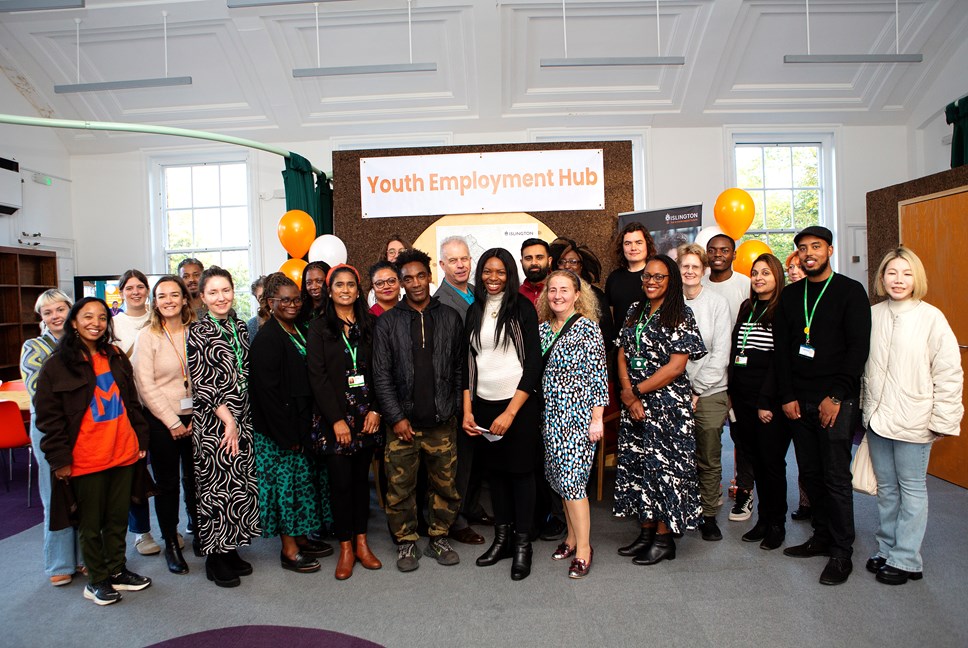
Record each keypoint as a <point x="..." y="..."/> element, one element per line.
<point x="575" y="387"/>
<point x="656" y="480"/>
<point x="228" y="495"/>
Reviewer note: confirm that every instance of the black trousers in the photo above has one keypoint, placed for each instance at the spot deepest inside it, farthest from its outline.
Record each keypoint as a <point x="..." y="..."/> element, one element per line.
<point x="349" y="492"/>
<point x="770" y="442"/>
<point x="102" y="504"/>
<point x="468" y="479"/>
<point x="744" y="444"/>
<point x="513" y="497"/>
<point x="824" y="458"/>
<point x="171" y="459"/>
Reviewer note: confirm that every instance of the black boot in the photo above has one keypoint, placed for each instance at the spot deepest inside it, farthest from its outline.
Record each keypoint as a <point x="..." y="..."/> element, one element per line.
<point x="196" y="545"/>
<point x="218" y="570"/>
<point x="521" y="557"/>
<point x="775" y="535"/>
<point x="236" y="564"/>
<point x="640" y="544"/>
<point x="500" y="548"/>
<point x="663" y="548"/>
<point x="173" y="556"/>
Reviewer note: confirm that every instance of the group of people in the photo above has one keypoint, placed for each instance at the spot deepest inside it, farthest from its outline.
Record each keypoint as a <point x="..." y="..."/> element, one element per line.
<point x="270" y="427"/>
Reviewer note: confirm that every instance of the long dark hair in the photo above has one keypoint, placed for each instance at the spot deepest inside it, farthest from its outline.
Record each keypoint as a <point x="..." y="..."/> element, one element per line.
<point x="506" y="314"/>
<point x="71" y="345"/>
<point x="618" y="244"/>
<point x="591" y="267"/>
<point x="306" y="312"/>
<point x="673" y="310"/>
<point x="776" y="267"/>
<point x="364" y="321"/>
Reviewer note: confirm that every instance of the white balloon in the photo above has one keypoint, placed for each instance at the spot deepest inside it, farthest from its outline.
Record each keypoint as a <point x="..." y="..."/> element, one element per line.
<point x="702" y="239"/>
<point x="329" y="249"/>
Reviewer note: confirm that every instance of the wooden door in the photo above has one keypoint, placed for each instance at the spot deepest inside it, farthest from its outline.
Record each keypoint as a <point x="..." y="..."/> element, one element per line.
<point x="936" y="228"/>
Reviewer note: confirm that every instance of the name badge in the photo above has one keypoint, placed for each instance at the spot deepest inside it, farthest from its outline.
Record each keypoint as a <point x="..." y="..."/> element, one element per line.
<point x="356" y="381"/>
<point x="740" y="360"/>
<point x="185" y="403"/>
<point x="807" y="351"/>
<point x="637" y="363"/>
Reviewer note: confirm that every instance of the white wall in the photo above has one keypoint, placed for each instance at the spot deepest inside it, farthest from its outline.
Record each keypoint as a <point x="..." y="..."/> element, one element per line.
<point x="929" y="153"/>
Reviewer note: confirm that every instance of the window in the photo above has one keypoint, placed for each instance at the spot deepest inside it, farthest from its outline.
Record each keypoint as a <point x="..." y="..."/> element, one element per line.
<point x="205" y="214"/>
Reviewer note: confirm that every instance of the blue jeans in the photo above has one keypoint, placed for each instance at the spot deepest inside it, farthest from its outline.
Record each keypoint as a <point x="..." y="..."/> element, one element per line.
<point x="62" y="553"/>
<point x="902" y="499"/>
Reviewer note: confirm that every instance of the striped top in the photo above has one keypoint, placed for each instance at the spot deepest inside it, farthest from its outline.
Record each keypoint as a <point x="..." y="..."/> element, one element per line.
<point x="35" y="352"/>
<point x="759" y="338"/>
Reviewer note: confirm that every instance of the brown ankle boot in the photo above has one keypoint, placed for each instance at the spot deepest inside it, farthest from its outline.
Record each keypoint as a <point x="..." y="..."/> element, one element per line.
<point x="344" y="565"/>
<point x="365" y="556"/>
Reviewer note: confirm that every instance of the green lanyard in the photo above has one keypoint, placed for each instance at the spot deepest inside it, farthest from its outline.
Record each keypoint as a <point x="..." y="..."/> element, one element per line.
<point x="641" y="327"/>
<point x="234" y="342"/>
<point x="353" y="350"/>
<point x="551" y="342"/>
<point x="809" y="316"/>
<point x="749" y="320"/>
<point x="300" y="343"/>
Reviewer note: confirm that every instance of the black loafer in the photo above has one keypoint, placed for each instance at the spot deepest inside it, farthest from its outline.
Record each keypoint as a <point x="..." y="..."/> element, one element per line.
<point x="894" y="576"/>
<point x="808" y="549"/>
<point x="316" y="549"/>
<point x="836" y="571"/>
<point x="874" y="564"/>
<point x="757" y="533"/>
<point x="775" y="535"/>
<point x="302" y="564"/>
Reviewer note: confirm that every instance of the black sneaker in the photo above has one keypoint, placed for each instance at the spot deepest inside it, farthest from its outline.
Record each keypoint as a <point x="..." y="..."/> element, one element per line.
<point x="129" y="581"/>
<point x="102" y="593"/>
<point x="709" y="529"/>
<point x="440" y="550"/>
<point x="743" y="508"/>
<point x="407" y="557"/>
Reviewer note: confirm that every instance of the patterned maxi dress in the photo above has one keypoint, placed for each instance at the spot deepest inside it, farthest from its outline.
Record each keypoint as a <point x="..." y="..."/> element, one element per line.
<point x="228" y="495"/>
<point x="656" y="478"/>
<point x="575" y="380"/>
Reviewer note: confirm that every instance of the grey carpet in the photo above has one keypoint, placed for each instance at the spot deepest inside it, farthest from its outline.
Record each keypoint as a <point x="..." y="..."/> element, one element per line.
<point x="727" y="593"/>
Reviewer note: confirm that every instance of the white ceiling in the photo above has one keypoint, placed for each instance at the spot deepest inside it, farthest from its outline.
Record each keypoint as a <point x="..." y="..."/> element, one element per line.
<point x="488" y="76"/>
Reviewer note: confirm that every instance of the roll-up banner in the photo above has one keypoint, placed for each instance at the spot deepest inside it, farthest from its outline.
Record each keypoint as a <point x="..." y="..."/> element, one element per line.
<point x="669" y="228"/>
<point x="469" y="183"/>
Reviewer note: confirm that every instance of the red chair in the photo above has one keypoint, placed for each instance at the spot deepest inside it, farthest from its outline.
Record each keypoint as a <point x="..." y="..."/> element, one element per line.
<point x="14" y="435"/>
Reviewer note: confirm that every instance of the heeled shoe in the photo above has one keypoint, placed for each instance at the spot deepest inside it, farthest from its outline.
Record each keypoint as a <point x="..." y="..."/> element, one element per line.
<point x="218" y="571"/>
<point x="344" y="565"/>
<point x="663" y="548"/>
<point x="364" y="554"/>
<point x="500" y="548"/>
<point x="300" y="563"/>
<point x="173" y="556"/>
<point x="579" y="568"/>
<point x="236" y="564"/>
<point x="521" y="557"/>
<point x="640" y="544"/>
<point x="563" y="551"/>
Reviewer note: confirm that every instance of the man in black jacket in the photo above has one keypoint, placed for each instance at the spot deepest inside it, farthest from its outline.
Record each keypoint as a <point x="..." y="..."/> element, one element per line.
<point x="418" y="356"/>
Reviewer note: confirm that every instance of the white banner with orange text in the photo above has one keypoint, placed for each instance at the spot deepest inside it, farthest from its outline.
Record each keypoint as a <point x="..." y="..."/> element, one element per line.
<point x="469" y="183"/>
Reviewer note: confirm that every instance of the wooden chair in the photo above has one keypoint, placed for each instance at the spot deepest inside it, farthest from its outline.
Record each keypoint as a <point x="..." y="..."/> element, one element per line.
<point x="13" y="435"/>
<point x="605" y="455"/>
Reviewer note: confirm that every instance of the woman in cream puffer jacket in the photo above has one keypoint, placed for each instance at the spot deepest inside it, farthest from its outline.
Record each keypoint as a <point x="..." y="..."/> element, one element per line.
<point x="911" y="397"/>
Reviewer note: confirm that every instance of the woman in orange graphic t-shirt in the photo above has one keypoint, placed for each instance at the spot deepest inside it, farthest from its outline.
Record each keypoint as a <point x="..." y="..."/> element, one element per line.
<point x="93" y="434"/>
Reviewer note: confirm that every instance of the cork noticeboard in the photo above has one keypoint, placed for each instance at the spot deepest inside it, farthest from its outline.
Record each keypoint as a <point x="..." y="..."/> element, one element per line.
<point x="365" y="238"/>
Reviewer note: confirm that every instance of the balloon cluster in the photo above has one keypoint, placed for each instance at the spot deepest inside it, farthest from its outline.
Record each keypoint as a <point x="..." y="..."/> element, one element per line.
<point x="734" y="213"/>
<point x="297" y="233"/>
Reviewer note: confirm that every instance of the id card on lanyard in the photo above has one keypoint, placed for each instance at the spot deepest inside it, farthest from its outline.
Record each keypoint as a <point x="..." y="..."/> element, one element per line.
<point x="356" y="379"/>
<point x="806" y="349"/>
<point x="741" y="360"/>
<point x="186" y="402"/>
<point x="638" y="362"/>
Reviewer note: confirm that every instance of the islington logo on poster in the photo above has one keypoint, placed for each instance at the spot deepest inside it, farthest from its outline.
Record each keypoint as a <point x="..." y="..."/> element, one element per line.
<point x="468" y="183"/>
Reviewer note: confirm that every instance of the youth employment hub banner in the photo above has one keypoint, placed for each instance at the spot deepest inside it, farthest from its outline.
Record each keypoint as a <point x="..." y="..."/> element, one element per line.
<point x="467" y="183"/>
<point x="669" y="228"/>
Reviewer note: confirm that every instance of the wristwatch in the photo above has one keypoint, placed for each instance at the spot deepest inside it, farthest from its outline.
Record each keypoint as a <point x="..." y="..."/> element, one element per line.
<point x="834" y="400"/>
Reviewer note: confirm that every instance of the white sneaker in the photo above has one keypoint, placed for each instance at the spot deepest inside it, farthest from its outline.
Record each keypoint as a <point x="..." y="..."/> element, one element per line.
<point x="743" y="508"/>
<point x="146" y="545"/>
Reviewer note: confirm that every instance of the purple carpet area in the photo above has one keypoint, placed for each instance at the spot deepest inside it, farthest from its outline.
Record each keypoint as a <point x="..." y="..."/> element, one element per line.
<point x="258" y="636"/>
<point x="15" y="517"/>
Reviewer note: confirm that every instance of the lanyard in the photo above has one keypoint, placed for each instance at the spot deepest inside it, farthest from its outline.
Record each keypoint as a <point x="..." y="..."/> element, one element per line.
<point x="551" y="342"/>
<point x="641" y="327"/>
<point x="300" y="343"/>
<point x="750" y="320"/>
<point x="183" y="357"/>
<point x="809" y="316"/>
<point x="352" y="349"/>
<point x="234" y="342"/>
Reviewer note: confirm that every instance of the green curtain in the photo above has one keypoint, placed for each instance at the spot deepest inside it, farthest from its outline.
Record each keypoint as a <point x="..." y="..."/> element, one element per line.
<point x="316" y="199"/>
<point x="956" y="113"/>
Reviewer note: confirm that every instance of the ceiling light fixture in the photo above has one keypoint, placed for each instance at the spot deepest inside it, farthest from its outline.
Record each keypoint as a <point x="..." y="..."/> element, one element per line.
<point x="609" y="61"/>
<point x="121" y="85"/>
<point x="896" y="57"/>
<point x="387" y="68"/>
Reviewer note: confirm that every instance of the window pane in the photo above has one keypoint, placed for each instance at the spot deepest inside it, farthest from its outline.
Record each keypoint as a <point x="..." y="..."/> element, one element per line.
<point x="174" y="260"/>
<point x="806" y="166"/>
<point x="205" y="186"/>
<point x="208" y="229"/>
<point x="235" y="226"/>
<point x="178" y="187"/>
<point x="749" y="167"/>
<point x="179" y="229"/>
<point x="209" y="258"/>
<point x="777" y="160"/>
<point x="806" y="208"/>
<point x="778" y="209"/>
<point x="759" y="211"/>
<point x="234" y="185"/>
<point x="237" y="263"/>
<point x="781" y="244"/>
<point x="752" y="236"/>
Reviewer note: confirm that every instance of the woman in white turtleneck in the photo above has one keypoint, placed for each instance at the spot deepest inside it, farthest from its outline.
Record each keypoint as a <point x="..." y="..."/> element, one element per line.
<point x="911" y="397"/>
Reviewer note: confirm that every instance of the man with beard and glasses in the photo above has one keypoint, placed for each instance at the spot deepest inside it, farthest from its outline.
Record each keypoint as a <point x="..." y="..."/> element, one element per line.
<point x="822" y="337"/>
<point x="536" y="264"/>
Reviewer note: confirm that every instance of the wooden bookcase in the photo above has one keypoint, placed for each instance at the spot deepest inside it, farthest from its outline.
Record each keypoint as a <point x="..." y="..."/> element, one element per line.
<point x="24" y="275"/>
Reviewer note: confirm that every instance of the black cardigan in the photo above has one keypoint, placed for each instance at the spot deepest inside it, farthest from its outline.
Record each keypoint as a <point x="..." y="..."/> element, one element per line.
<point x="326" y="361"/>
<point x="527" y="344"/>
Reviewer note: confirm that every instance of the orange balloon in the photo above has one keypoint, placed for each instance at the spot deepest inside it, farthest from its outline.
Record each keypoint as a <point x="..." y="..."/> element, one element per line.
<point x="297" y="231"/>
<point x="293" y="268"/>
<point x="734" y="212"/>
<point x="746" y="254"/>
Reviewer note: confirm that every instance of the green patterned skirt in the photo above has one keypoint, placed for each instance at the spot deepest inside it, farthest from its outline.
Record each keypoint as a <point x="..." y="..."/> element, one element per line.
<point x="290" y="485"/>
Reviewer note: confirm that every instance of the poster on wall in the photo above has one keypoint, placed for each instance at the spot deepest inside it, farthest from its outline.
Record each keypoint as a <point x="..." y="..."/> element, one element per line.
<point x="481" y="238"/>
<point x="669" y="228"/>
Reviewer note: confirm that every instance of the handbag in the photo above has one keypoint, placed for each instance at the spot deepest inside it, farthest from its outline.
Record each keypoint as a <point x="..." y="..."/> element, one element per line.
<point x="863" y="478"/>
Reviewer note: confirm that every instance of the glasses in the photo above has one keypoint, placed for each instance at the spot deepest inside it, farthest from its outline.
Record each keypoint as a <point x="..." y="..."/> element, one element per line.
<point x="569" y="263"/>
<point x="380" y="283"/>
<point x="658" y="278"/>
<point x="288" y="301"/>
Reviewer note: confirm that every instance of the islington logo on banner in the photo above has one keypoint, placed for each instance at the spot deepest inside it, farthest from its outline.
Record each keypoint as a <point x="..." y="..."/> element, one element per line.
<point x="467" y="183"/>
